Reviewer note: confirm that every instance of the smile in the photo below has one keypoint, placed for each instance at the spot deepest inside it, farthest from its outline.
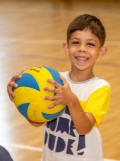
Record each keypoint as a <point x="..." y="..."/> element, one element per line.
<point x="81" y="59"/>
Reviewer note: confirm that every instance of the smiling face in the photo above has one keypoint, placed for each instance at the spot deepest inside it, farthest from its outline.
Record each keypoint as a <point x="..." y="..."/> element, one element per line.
<point x="83" y="50"/>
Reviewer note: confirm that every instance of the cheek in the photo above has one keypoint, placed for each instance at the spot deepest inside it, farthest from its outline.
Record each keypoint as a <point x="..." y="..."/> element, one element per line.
<point x="95" y="53"/>
<point x="95" y="56"/>
<point x="72" y="51"/>
<point x="70" y="54"/>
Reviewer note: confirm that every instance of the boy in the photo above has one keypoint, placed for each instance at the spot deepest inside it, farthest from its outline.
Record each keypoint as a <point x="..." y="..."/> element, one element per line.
<point x="75" y="136"/>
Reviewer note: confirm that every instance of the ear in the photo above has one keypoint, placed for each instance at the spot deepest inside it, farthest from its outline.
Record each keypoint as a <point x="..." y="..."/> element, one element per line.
<point x="65" y="48"/>
<point x="103" y="51"/>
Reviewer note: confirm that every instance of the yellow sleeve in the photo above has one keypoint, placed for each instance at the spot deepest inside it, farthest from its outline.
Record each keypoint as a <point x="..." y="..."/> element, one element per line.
<point x="98" y="103"/>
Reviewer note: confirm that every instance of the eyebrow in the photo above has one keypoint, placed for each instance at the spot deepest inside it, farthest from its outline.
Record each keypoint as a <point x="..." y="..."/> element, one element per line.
<point x="87" y="39"/>
<point x="91" y="40"/>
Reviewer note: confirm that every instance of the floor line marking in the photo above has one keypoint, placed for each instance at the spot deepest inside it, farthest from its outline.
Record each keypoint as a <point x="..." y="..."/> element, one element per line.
<point x="40" y="41"/>
<point x="22" y="146"/>
<point x="60" y="11"/>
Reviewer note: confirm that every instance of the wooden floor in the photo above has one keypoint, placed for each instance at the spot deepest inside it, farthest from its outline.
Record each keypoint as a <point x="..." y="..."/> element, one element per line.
<point x="31" y="34"/>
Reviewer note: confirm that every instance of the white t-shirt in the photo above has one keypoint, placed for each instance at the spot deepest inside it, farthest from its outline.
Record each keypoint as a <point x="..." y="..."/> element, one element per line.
<point x="61" y="140"/>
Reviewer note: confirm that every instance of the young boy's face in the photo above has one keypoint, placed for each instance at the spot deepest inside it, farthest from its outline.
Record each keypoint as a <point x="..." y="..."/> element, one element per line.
<point x="83" y="49"/>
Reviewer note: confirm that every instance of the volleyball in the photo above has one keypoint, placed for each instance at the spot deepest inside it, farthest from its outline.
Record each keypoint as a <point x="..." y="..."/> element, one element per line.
<point x="29" y="94"/>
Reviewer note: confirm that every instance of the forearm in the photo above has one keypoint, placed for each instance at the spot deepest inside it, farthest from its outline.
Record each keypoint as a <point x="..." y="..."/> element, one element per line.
<point x="83" y="122"/>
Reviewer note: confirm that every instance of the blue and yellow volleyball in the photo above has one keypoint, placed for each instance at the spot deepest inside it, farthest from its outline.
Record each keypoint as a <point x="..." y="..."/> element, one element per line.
<point x="29" y="94"/>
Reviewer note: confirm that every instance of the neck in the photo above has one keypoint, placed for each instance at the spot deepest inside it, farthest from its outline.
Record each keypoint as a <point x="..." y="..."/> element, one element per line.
<point x="80" y="76"/>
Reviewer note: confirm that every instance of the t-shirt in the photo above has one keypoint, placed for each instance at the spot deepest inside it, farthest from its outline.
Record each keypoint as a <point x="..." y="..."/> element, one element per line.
<point x="61" y="140"/>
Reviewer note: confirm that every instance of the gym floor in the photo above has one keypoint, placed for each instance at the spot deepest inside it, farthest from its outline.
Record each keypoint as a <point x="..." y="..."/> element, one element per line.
<point x="31" y="34"/>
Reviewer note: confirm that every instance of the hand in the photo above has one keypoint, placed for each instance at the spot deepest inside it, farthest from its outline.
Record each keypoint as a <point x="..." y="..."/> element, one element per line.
<point x="12" y="85"/>
<point x="36" y="124"/>
<point x="63" y="93"/>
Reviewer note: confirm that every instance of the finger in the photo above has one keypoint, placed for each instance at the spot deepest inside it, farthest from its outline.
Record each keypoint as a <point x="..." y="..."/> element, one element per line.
<point x="11" y="85"/>
<point x="10" y="91"/>
<point x="51" y="106"/>
<point x="12" y="97"/>
<point x="15" y="77"/>
<point x="11" y="94"/>
<point x="22" y="71"/>
<point x="56" y="84"/>
<point x="50" y="89"/>
<point x="54" y="104"/>
<point x="52" y="98"/>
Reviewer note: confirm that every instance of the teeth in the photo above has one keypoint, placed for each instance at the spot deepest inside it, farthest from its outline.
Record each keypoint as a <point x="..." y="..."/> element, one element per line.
<point x="81" y="58"/>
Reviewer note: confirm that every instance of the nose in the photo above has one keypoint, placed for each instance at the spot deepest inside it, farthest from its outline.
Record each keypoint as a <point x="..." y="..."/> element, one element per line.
<point x="82" y="48"/>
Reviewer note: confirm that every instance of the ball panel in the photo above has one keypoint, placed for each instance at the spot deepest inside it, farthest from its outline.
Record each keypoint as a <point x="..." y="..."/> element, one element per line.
<point x="28" y="81"/>
<point x="41" y="74"/>
<point x="35" y="111"/>
<point x="26" y="94"/>
<point x="55" y="75"/>
<point x="23" y="109"/>
<point x="52" y="116"/>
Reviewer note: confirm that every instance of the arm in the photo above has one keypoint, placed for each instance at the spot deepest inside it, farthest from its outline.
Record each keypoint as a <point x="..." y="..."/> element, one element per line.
<point x="83" y="121"/>
<point x="94" y="112"/>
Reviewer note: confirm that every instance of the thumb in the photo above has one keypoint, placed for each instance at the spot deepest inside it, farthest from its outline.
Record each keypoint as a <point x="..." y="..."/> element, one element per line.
<point x="63" y="80"/>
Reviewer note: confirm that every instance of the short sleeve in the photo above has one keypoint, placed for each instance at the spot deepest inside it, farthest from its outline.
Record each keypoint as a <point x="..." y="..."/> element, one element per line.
<point x="98" y="103"/>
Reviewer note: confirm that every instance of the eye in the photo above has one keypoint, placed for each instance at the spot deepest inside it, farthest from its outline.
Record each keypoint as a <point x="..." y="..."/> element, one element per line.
<point x="91" y="44"/>
<point x="75" y="42"/>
